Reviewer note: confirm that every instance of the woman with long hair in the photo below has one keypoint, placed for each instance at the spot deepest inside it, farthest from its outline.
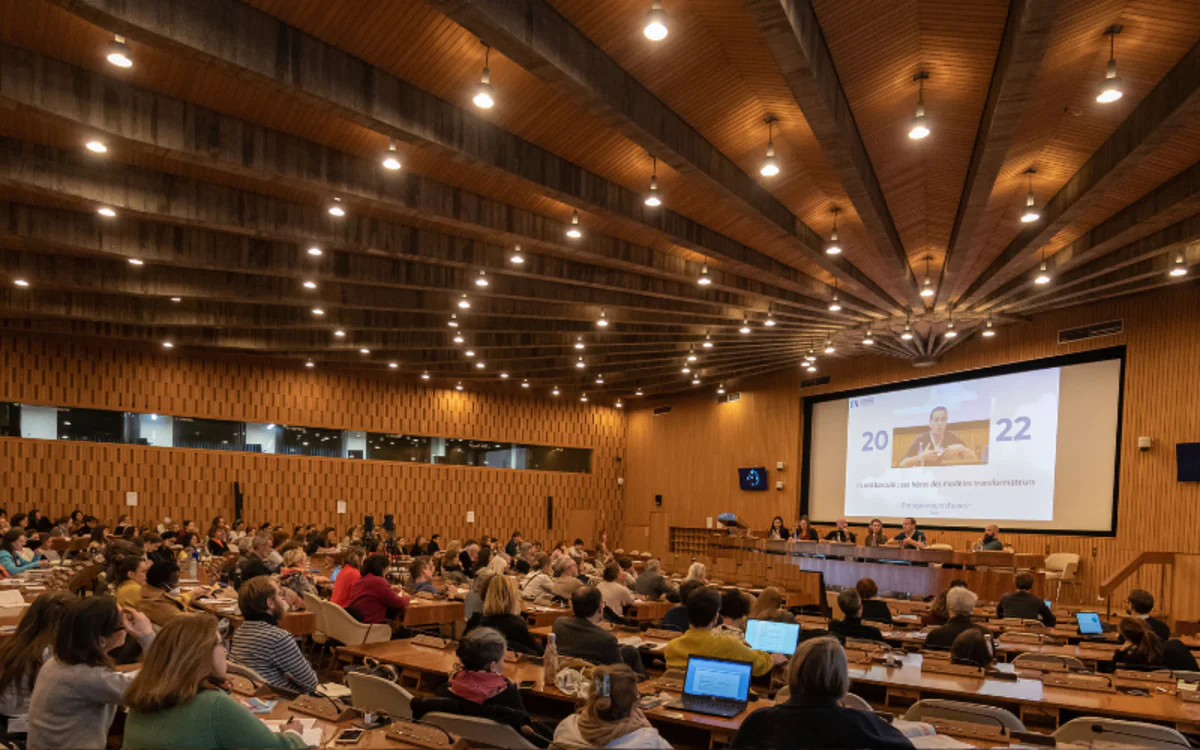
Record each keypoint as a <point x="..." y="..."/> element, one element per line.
<point x="768" y="606"/>
<point x="502" y="612"/>
<point x="11" y="560"/>
<point x="804" y="532"/>
<point x="179" y="698"/>
<point x="129" y="579"/>
<point x="1142" y="647"/>
<point x="610" y="717"/>
<point x="22" y="655"/>
<point x="778" y="530"/>
<point x="347" y="576"/>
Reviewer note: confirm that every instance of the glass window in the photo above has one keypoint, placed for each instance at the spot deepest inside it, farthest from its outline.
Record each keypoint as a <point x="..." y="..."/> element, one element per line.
<point x="94" y="426"/>
<point x="209" y="434"/>
<point x="311" y="441"/>
<point x="547" y="458"/>
<point x="10" y="420"/>
<point x="260" y="438"/>
<point x="407" y="448"/>
<point x="156" y="430"/>
<point x="39" y="422"/>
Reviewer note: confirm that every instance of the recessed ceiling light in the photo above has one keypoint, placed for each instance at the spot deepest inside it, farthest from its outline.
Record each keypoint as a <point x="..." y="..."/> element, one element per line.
<point x="339" y="333"/>
<point x="391" y="159"/>
<point x="336" y="209"/>
<point x="314" y="251"/>
<point x="484" y="97"/>
<point x="310" y="284"/>
<point x="136" y="262"/>
<point x="106" y="212"/>
<point x="655" y="26"/>
<point x="118" y="53"/>
<point x="920" y="123"/>
<point x="96" y="147"/>
<point x="21" y="282"/>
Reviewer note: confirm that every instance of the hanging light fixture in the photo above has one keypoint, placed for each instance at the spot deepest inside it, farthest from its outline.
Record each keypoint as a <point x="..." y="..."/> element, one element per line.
<point x="708" y="344"/>
<point x="573" y="231"/>
<point x="1178" y="268"/>
<point x="516" y="257"/>
<point x="951" y="332"/>
<point x="453" y="322"/>
<point x="602" y="321"/>
<point x="318" y="311"/>
<point x="745" y="326"/>
<point x="340" y="334"/>
<point x="988" y="331"/>
<point x="580" y="364"/>
<point x="310" y="363"/>
<point x="583" y="398"/>
<point x="638" y="392"/>
<point x="480" y="365"/>
<point x="704" y="279"/>
<point x="834" y="247"/>
<point x="599" y="380"/>
<point x="1043" y="276"/>
<point x="770" y="321"/>
<point x="425" y="375"/>
<point x="335" y="208"/>
<point x="655" y="27"/>
<point x="364" y="350"/>
<point x="1031" y="213"/>
<point x="829" y="348"/>
<point x="927" y="285"/>
<point x="721" y="389"/>
<point x="579" y="342"/>
<point x="482" y="280"/>
<point x="770" y="166"/>
<point x="691" y="357"/>
<point x="525" y="383"/>
<point x="483" y="97"/>
<point x="469" y="352"/>
<point x="391" y="159"/>
<point x="393" y="365"/>
<point x="686" y="370"/>
<point x="96" y="147"/>
<point x="920" y="123"/>
<point x="555" y="392"/>
<point x="464" y="303"/>
<point x="619" y="404"/>
<point x="106" y="212"/>
<point x="811" y="368"/>
<point x="118" y="53"/>
<point x="21" y="283"/>
<point x="696" y="380"/>
<point x="907" y="334"/>
<point x="1110" y="87"/>
<point x="652" y="198"/>
<point x="459" y="387"/>
<point x="504" y="376"/>
<point x="868" y="338"/>
<point x="314" y="251"/>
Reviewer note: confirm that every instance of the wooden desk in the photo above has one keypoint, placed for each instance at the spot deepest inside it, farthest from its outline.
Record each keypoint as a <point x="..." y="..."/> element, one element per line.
<point x="426" y="612"/>
<point x="647" y="611"/>
<point x="372" y="738"/>
<point x="544" y="616"/>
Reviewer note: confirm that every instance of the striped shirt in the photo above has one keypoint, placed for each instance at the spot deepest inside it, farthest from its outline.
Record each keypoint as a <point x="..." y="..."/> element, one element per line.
<point x="273" y="653"/>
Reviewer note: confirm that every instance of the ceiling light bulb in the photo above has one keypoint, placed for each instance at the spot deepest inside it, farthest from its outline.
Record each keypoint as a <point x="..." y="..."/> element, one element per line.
<point x="484" y="97"/>
<point x="464" y="303"/>
<point x="907" y="334"/>
<point x="1179" y="269"/>
<point x="555" y="392"/>
<point x="602" y="321"/>
<point x="829" y="349"/>
<point x="480" y="365"/>
<point x="574" y="232"/>
<point x="391" y="159"/>
<point x="1030" y="214"/>
<point x="695" y="381"/>
<point x="583" y="398"/>
<point x="168" y="345"/>
<point x="459" y="387"/>
<point x="393" y="365"/>
<point x="721" y="389"/>
<point x="340" y="333"/>
<point x="599" y="380"/>
<point x="579" y="343"/>
<point x="314" y="251"/>
<point x="469" y="352"/>
<point x="118" y="53"/>
<point x="364" y="351"/>
<point x="927" y="288"/>
<point x="177" y="299"/>
<point x="580" y="364"/>
<point x="453" y="322"/>
<point x="458" y="339"/>
<point x="811" y="368"/>
<point x="335" y="208"/>
<point x="686" y="370"/>
<point x="106" y="212"/>
<point x="868" y="339"/>
<point x="504" y="376"/>
<point x="769" y="322"/>
<point x="745" y="326"/>
<point x="619" y="404"/>
<point x="708" y="344"/>
<point x="318" y="311"/>
<point x="310" y="285"/>
<point x="482" y="280"/>
<point x="96" y="147"/>
<point x="988" y="331"/>
<point x="834" y="305"/>
<point x="1110" y="87"/>
<point x="638" y="392"/>
<point x="692" y="356"/>
<point x="770" y="165"/>
<point x="1043" y="276"/>
<point x="136" y="262"/>
<point x="425" y="376"/>
<point x="21" y="282"/>
<point x="950" y="331"/>
<point x="310" y="363"/>
<point x="652" y="198"/>
<point x="655" y="27"/>
<point x="704" y="279"/>
<point x="517" y="257"/>
<point x="524" y="383"/>
<point x="920" y="124"/>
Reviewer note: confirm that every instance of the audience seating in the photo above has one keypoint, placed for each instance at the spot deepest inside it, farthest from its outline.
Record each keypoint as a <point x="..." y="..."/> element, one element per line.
<point x="972" y="713"/>
<point x="481" y="731"/>
<point x="313" y="604"/>
<point x="375" y="694"/>
<point x="1088" y="730"/>
<point x="340" y="626"/>
<point x="1048" y="662"/>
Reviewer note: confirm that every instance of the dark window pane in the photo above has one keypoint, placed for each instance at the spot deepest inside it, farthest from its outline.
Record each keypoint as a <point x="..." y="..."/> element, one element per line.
<point x="209" y="434"/>
<point x="386" y="447"/>
<point x="10" y="420"/>
<point x="92" y="426"/>
<point x="546" y="458"/>
<point x="310" y="441"/>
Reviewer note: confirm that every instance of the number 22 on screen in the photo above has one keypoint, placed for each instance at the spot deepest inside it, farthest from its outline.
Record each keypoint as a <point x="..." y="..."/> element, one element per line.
<point x="1021" y="424"/>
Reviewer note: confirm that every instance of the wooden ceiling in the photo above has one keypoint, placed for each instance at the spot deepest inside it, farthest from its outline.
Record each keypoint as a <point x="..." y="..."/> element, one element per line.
<point x="239" y="123"/>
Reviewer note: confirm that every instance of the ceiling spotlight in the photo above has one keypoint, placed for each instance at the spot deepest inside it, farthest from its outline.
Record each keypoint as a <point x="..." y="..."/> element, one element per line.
<point x="136" y="262"/>
<point x="619" y="404"/>
<point x="1043" y="276"/>
<point x="470" y="352"/>
<point x="638" y="392"/>
<point x="834" y="305"/>
<point x="653" y="200"/>
<point x="483" y="97"/>
<point x="907" y="334"/>
<point x="555" y="392"/>
<point x="340" y="333"/>
<point x="704" y="279"/>
<point x="745" y="326"/>
<point x="721" y="389"/>
<point x="425" y="376"/>
<point x="583" y="398"/>
<point x="573" y="231"/>
<point x="769" y="322"/>
<point x="525" y="383"/>
<point x="335" y="208"/>
<point x="1179" y="269"/>
<point x="811" y="368"/>
<point x="829" y="348"/>
<point x="834" y="247"/>
<point x="393" y="365"/>
<point x="458" y="339"/>
<point x="459" y="387"/>
<point x="482" y="280"/>
<point x="696" y="381"/>
<point x="318" y="311"/>
<point x="168" y="345"/>
<point x="770" y="165"/>
<point x="21" y="282"/>
<point x="517" y="257"/>
<point x="580" y="364"/>
<point x="1031" y="213"/>
<point x="686" y="370"/>
<point x="602" y="321"/>
<point x="951" y="332"/>
<point x="504" y="376"/>
<point x="655" y="28"/>
<point x="692" y="355"/>
<point x="464" y="303"/>
<point x="599" y="380"/>
<point x="96" y="147"/>
<point x="868" y="338"/>
<point x="310" y="363"/>
<point x="988" y="331"/>
<point x="314" y="251"/>
<point x="118" y="53"/>
<point x="1110" y="87"/>
<point x="391" y="159"/>
<point x="177" y="299"/>
<point x="708" y="344"/>
<point x="579" y="342"/>
<point x="106" y="212"/>
<point x="480" y="365"/>
<point x="920" y="123"/>
<point x="364" y="351"/>
<point x="453" y="322"/>
<point x="310" y="284"/>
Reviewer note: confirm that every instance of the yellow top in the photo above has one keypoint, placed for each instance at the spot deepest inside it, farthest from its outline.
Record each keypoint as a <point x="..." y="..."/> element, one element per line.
<point x="129" y="594"/>
<point x="706" y="643"/>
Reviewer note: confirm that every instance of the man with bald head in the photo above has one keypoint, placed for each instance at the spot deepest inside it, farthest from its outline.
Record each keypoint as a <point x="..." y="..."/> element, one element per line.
<point x="991" y="539"/>
<point x="842" y="533"/>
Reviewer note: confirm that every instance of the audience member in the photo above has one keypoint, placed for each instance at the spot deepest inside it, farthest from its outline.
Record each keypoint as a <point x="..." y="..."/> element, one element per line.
<point x="652" y="584"/>
<point x="616" y="596"/>
<point x="160" y="599"/>
<point x="294" y="573"/>
<point x="851" y="626"/>
<point x="676" y="617"/>
<point x="937" y="614"/>
<point x="433" y="548"/>
<point x="1139" y="605"/>
<point x="1142" y="649"/>
<point x="513" y="545"/>
<point x="697" y="572"/>
<point x="523" y="562"/>
<point x="347" y="576"/>
<point x="473" y="602"/>
<point x="419" y="548"/>
<point x="704" y="614"/>
<point x="502" y="613"/>
<point x="735" y="609"/>
<point x="260" y="644"/>
<point x="10" y="553"/>
<point x="768" y="606"/>
<point x="960" y="602"/>
<point x="452" y="570"/>
<point x="156" y="550"/>
<point x="538" y="585"/>
<point x="420" y="577"/>
<point x="469" y="558"/>
<point x="581" y="636"/>
<point x="372" y="597"/>
<point x="131" y="576"/>
<point x="873" y="608"/>
<point x="566" y="577"/>
<point x="21" y="657"/>
<point x="973" y="647"/>
<point x="1023" y="604"/>
<point x="179" y="698"/>
<point x="610" y="716"/>
<point x="812" y="716"/>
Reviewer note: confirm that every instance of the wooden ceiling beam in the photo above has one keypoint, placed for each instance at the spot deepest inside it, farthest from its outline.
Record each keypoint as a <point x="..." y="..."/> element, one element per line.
<point x="795" y="40"/>
<point x="1165" y="112"/>
<point x="1014" y="78"/>
<point x="258" y="48"/>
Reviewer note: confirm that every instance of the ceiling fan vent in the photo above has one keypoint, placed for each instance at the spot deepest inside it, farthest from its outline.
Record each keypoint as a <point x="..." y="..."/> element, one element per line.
<point x="1092" y="331"/>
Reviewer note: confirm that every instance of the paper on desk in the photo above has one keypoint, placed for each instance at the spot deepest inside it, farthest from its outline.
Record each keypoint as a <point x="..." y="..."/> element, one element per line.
<point x="312" y="734"/>
<point x="938" y="741"/>
<point x="630" y="640"/>
<point x="12" y="598"/>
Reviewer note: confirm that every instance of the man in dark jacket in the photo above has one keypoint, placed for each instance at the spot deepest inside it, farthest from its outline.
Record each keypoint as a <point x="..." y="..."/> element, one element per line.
<point x="852" y="626"/>
<point x="960" y="602"/>
<point x="676" y="617"/>
<point x="652" y="584"/>
<point x="1141" y="604"/>
<point x="582" y="637"/>
<point x="1024" y="604"/>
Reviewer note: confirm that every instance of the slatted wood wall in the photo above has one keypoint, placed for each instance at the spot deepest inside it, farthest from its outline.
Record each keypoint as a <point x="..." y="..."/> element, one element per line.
<point x="58" y="476"/>
<point x="690" y="455"/>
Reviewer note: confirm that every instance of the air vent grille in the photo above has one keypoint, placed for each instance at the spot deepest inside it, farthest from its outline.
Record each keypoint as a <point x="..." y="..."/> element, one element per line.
<point x="661" y="410"/>
<point x="729" y="398"/>
<point x="1091" y="331"/>
<point x="813" y="382"/>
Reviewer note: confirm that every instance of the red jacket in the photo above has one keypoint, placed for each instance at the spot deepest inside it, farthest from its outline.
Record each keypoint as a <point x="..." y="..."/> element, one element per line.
<point x="372" y="596"/>
<point x="344" y="585"/>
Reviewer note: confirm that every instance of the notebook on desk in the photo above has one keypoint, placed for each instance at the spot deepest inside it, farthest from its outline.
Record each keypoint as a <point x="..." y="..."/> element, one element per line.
<point x="718" y="687"/>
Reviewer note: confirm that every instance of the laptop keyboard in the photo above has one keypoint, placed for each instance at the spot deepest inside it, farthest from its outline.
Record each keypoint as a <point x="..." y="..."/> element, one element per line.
<point x="712" y="706"/>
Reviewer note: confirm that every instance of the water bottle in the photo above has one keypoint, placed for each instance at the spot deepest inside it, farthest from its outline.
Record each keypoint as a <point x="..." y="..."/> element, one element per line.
<point x="550" y="661"/>
<point x="194" y="565"/>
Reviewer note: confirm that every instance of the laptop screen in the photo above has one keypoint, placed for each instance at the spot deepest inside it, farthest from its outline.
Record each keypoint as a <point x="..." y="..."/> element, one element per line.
<point x="1049" y="604"/>
<point x="773" y="637"/>
<point x="333" y="576"/>
<point x="1089" y="623"/>
<point x="718" y="678"/>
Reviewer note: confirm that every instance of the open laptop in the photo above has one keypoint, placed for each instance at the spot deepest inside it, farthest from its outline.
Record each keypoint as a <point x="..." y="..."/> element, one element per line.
<point x="773" y="637"/>
<point x="1089" y="623"/>
<point x="720" y="687"/>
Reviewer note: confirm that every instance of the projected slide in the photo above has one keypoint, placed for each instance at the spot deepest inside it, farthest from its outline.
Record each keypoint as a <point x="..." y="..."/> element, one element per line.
<point x="971" y="449"/>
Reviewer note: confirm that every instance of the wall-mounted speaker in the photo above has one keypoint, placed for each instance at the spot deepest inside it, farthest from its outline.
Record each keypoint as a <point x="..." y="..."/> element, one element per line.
<point x="549" y="512"/>
<point x="389" y="523"/>
<point x="368" y="524"/>
<point x="658" y="501"/>
<point x="238" y="499"/>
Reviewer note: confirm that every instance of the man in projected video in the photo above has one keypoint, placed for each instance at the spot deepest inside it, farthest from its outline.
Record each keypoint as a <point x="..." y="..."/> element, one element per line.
<point x="937" y="445"/>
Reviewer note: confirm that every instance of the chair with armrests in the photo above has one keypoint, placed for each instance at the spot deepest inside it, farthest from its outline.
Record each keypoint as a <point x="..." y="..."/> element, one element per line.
<point x="849" y="700"/>
<point x="972" y="713"/>
<point x="480" y="731"/>
<point x="1048" y="662"/>
<point x="1089" y="730"/>
<point x="83" y="583"/>
<point x="313" y="604"/>
<point x="377" y="695"/>
<point x="1062" y="567"/>
<point x="232" y="667"/>
<point x="340" y="626"/>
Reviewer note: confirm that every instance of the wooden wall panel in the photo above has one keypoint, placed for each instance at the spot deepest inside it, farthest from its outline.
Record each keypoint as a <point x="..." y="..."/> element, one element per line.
<point x="690" y="455"/>
<point x="58" y="476"/>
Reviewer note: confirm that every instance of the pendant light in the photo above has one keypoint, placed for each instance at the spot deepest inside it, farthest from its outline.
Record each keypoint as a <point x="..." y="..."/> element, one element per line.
<point x="834" y="305"/>
<point x="951" y="332"/>
<point x="573" y="231"/>
<point x="988" y="331"/>
<point x="453" y="322"/>
<point x="1031" y="213"/>
<point x="691" y="357"/>
<point x="770" y="166"/>
<point x="619" y="404"/>
<point x="745" y="326"/>
<point x="811" y="368"/>
<point x="868" y="338"/>
<point x="425" y="375"/>
<point x="335" y="208"/>
<point x="106" y="212"/>
<point x="652" y="198"/>
<point x="638" y="392"/>
<point x="920" y="123"/>
<point x="517" y="258"/>
<point x="696" y="380"/>
<point x="1043" y="276"/>
<point x="1110" y="87"/>
<point x="770" y="321"/>
<point x="583" y="398"/>
<point x="907" y="334"/>
<point x="391" y="159"/>
<point x="602" y="322"/>
<point x="655" y="27"/>
<point x="483" y="97"/>
<point x="481" y="281"/>
<point x="579" y="342"/>
<point x="464" y="303"/>
<point x="1179" y="269"/>
<point x="579" y="364"/>
<point x="459" y="387"/>
<point x="555" y="392"/>
<point x="829" y="348"/>
<point x="525" y="383"/>
<point x="118" y="53"/>
<point x="834" y="247"/>
<point x="708" y="344"/>
<point x="599" y="380"/>
<point x="721" y="389"/>
<point x="704" y="279"/>
<point x="927" y="285"/>
<point x="96" y="147"/>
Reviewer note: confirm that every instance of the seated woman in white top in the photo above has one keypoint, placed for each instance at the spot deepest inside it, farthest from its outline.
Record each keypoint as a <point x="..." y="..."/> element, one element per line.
<point x="538" y="585"/>
<point x="616" y="596"/>
<point x="21" y="657"/>
<point x="610" y="717"/>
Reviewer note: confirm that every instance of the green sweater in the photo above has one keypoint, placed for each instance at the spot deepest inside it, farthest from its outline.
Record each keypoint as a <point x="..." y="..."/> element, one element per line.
<point x="211" y="720"/>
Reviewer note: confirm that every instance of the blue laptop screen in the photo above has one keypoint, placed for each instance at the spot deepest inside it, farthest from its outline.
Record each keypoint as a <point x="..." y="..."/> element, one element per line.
<point x="718" y="678"/>
<point x="1089" y="623"/>
<point x="773" y="637"/>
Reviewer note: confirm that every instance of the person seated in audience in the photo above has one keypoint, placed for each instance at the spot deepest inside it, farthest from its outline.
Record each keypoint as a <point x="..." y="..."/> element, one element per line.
<point x="260" y="644"/>
<point x="627" y="578"/>
<point x="803" y="531"/>
<point x="652" y="584"/>
<point x="468" y="559"/>
<point x="523" y="562"/>
<point x="514" y="543"/>
<point x="156" y="550"/>
<point x="676" y="617"/>
<point x="538" y="584"/>
<point x="480" y="688"/>
<point x="697" y="572"/>
<point x="616" y="596"/>
<point x="237" y="531"/>
<point x="326" y="539"/>
<point x="576" y="551"/>
<point x="611" y="716"/>
<point x="502" y="612"/>
<point x="294" y="573"/>
<point x="560" y="549"/>
<point x="218" y="542"/>
<point x="973" y="647"/>
<point x="841" y="533"/>
<point x="261" y="551"/>
<point x="960" y="602"/>
<point x="566" y="578"/>
<point x="473" y="601"/>
<point x="89" y="525"/>
<point x="851" y="624"/>
<point x="778" y="530"/>
<point x="581" y="636"/>
<point x="735" y="609"/>
<point x="372" y="597"/>
<point x="1144" y="650"/>
<point x="10" y="554"/>
<point x="910" y="536"/>
<point x="874" y="609"/>
<point x="450" y="566"/>
<point x="61" y="527"/>
<point x="497" y="565"/>
<point x="180" y="699"/>
<point x="349" y="574"/>
<point x="420" y="574"/>
<point x="1023" y="604"/>
<point x="21" y="657"/>
<point x="274" y="558"/>
<point x="161" y="600"/>
<point x="434" y="546"/>
<point x="131" y="576"/>
<point x="353" y="537"/>
<point x="704" y="614"/>
<point x="990" y="541"/>
<point x="419" y="547"/>
<point x="937" y="614"/>
<point x="1139" y="605"/>
<point x="77" y="691"/>
<point x="812" y="717"/>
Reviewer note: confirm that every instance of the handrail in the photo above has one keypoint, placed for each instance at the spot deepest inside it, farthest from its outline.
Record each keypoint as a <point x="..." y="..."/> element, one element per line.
<point x="1145" y="558"/>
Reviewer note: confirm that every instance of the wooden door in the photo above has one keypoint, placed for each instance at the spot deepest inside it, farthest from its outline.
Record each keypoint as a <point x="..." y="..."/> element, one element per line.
<point x="660" y="533"/>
